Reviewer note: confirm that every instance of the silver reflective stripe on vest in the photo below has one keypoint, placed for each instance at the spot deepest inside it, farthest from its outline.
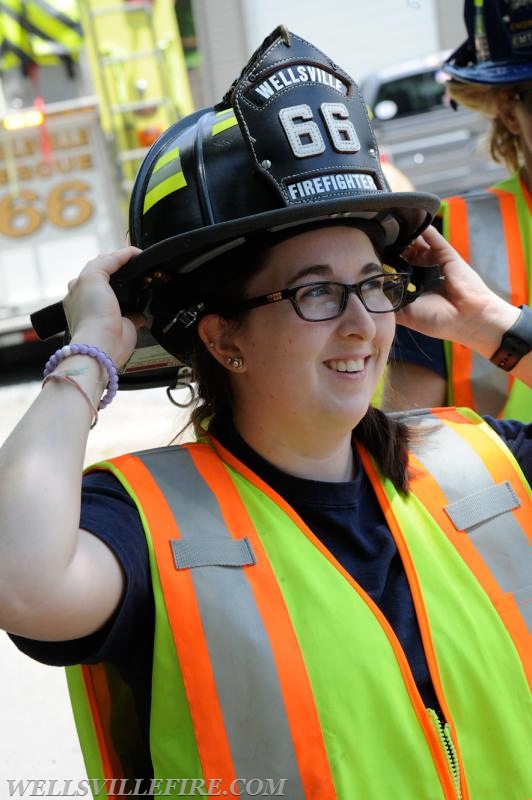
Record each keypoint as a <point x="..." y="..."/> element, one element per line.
<point x="488" y="256"/>
<point x="461" y="474"/>
<point x="212" y="552"/>
<point x="242" y="660"/>
<point x="482" y="506"/>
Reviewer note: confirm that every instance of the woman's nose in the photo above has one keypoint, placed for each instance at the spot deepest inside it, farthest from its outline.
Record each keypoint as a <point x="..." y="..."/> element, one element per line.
<point x="356" y="319"/>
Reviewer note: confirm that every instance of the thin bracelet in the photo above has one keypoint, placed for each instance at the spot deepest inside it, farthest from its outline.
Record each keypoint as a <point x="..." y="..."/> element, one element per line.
<point x="94" y="352"/>
<point x="58" y="376"/>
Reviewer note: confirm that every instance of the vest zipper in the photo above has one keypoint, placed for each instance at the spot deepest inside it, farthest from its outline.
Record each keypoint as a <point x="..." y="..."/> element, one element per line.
<point x="444" y="735"/>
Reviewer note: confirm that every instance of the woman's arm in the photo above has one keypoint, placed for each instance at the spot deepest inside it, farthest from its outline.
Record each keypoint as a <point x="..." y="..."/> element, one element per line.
<point x="58" y="582"/>
<point x="467" y="311"/>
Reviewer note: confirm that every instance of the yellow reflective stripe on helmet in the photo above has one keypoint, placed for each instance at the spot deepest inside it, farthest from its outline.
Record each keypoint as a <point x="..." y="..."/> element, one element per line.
<point x="228" y="121"/>
<point x="167" y="177"/>
<point x="166" y="158"/>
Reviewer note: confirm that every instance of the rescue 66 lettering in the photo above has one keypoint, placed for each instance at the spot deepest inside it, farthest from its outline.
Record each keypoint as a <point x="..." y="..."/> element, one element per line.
<point x="65" y="206"/>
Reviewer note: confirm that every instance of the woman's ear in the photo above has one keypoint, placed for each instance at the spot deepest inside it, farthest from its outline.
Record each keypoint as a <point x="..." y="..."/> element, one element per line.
<point x="505" y="103"/>
<point x="217" y="334"/>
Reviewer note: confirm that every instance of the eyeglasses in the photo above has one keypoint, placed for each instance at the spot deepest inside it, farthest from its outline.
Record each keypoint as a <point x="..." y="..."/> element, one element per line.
<point x="323" y="300"/>
<point x="525" y="97"/>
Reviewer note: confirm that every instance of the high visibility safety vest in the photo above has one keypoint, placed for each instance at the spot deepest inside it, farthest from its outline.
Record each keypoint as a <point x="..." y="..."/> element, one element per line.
<point x="492" y="231"/>
<point x="273" y="668"/>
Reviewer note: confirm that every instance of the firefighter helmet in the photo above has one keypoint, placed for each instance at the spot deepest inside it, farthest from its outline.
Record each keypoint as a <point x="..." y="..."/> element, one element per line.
<point x="289" y="145"/>
<point x="498" y="48"/>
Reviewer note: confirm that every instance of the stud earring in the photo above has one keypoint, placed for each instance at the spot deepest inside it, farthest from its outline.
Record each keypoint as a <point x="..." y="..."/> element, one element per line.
<point x="235" y="361"/>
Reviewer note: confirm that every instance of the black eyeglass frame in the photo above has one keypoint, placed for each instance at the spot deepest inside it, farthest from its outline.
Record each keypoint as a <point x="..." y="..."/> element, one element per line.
<point x="403" y="279"/>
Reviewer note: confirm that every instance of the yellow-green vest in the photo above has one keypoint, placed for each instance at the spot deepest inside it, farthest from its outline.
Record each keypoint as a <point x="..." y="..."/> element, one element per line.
<point x="492" y="230"/>
<point x="271" y="663"/>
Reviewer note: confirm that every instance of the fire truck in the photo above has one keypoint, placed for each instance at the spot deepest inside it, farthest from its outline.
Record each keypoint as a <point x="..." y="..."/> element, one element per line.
<point x="85" y="88"/>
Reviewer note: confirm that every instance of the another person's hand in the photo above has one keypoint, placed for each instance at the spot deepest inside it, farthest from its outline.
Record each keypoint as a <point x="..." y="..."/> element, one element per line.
<point x="92" y="310"/>
<point x="466" y="311"/>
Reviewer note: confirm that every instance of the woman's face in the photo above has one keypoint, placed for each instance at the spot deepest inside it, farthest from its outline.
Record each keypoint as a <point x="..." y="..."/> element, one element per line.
<point x="303" y="377"/>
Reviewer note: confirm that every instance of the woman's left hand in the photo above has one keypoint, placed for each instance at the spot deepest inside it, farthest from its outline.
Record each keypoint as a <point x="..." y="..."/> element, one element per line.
<point x="466" y="311"/>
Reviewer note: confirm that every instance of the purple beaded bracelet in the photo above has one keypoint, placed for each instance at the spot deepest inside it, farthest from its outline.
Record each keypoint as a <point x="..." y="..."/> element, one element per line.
<point x="94" y="352"/>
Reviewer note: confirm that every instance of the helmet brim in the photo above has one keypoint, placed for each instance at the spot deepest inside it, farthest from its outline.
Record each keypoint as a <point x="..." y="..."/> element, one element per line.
<point x="402" y="215"/>
<point x="462" y="65"/>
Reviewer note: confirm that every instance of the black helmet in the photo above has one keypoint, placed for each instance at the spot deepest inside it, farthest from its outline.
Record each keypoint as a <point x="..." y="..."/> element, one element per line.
<point x="290" y="145"/>
<point x="498" y="48"/>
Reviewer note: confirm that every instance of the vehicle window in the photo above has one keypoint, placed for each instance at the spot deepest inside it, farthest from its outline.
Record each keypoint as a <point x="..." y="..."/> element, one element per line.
<point x="414" y="94"/>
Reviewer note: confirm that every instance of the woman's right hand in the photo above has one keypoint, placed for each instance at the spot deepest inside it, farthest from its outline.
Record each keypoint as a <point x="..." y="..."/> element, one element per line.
<point x="92" y="309"/>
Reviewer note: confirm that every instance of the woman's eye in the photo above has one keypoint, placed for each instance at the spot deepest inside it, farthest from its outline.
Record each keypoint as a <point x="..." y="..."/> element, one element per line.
<point x="375" y="284"/>
<point x="319" y="290"/>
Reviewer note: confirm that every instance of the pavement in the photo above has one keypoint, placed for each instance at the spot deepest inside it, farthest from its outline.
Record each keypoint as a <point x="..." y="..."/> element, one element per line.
<point x="37" y="733"/>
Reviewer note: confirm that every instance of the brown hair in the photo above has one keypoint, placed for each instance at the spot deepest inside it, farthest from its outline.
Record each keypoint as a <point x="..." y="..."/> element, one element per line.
<point x="385" y="438"/>
<point x="503" y="145"/>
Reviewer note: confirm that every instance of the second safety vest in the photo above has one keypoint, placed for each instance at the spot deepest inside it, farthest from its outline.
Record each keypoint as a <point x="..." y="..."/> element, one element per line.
<point x="274" y="670"/>
<point x="492" y="231"/>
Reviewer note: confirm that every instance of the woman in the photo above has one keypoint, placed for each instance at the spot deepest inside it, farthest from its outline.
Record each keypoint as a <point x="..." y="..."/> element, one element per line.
<point x="273" y="608"/>
<point x="490" y="73"/>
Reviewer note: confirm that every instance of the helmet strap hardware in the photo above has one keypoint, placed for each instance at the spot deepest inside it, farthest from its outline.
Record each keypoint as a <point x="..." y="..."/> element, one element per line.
<point x="183" y="381"/>
<point x="185" y="317"/>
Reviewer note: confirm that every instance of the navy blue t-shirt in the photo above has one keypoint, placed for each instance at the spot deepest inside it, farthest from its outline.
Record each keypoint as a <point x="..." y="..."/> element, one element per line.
<point x="346" y="517"/>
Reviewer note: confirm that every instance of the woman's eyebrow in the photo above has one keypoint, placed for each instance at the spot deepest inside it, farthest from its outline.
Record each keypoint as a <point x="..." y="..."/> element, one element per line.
<point x="370" y="267"/>
<point x="325" y="270"/>
<point x="314" y="269"/>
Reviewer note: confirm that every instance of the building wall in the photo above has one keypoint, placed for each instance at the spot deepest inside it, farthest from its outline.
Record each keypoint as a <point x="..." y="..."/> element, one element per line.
<point x="450" y="23"/>
<point x="222" y="41"/>
<point x="360" y="36"/>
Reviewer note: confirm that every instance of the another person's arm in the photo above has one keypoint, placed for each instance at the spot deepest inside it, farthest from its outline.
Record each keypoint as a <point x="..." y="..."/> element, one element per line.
<point x="58" y="582"/>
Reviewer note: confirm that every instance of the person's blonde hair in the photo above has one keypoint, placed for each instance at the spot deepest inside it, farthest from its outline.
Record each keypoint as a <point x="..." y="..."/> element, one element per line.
<point x="503" y="145"/>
